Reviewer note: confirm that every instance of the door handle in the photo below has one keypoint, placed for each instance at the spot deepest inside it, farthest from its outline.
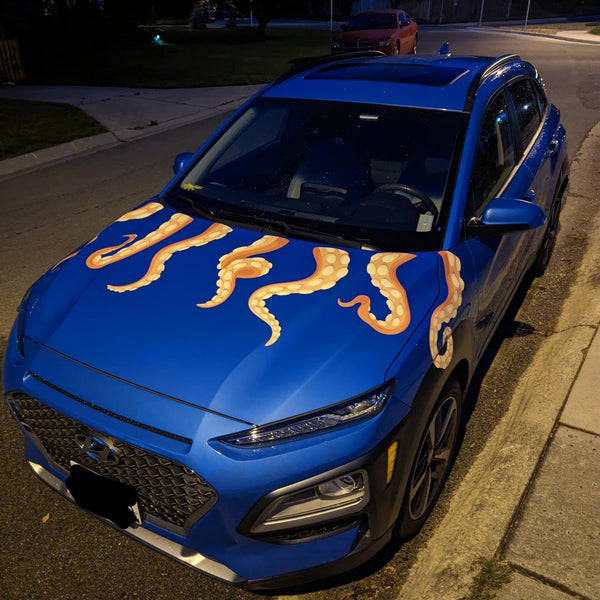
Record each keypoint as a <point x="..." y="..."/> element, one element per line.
<point x="553" y="147"/>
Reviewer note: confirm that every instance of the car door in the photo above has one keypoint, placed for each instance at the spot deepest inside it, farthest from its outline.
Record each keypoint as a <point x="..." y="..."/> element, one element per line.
<point x="406" y="33"/>
<point x="496" y="172"/>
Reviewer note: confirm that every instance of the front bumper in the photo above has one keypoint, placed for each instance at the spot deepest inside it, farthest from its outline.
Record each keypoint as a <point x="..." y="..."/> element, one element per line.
<point x="214" y="569"/>
<point x="162" y="544"/>
<point x="216" y="543"/>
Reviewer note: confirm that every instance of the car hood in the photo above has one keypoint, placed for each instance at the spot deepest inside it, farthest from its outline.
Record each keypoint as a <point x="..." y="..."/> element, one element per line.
<point x="255" y="327"/>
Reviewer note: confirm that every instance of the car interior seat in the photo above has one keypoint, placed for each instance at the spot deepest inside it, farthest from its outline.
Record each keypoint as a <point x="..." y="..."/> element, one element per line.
<point x="333" y="172"/>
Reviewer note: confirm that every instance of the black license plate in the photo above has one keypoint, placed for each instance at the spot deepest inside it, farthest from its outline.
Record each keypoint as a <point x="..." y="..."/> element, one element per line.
<point x="104" y="497"/>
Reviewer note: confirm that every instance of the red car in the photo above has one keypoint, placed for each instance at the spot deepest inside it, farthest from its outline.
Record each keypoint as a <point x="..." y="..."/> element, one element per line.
<point x="389" y="31"/>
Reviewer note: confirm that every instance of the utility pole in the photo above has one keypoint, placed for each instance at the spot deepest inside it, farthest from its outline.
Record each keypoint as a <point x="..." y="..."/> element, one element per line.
<point x="527" y="15"/>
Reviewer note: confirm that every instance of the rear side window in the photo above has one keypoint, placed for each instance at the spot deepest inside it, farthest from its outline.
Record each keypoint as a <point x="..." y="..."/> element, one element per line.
<point x="541" y="97"/>
<point x="528" y="110"/>
<point x="495" y="157"/>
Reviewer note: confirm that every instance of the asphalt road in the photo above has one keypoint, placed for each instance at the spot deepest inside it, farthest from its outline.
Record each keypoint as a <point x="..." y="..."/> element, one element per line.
<point x="51" y="549"/>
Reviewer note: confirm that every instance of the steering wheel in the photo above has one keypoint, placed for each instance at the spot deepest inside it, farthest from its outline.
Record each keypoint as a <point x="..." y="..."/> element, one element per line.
<point x="423" y="202"/>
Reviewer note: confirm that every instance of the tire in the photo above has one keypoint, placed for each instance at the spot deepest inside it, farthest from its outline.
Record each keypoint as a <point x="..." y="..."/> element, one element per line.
<point x="414" y="46"/>
<point x="544" y="253"/>
<point x="396" y="49"/>
<point x="432" y="462"/>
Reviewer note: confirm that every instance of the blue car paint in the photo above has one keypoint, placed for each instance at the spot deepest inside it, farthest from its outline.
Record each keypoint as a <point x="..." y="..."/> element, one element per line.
<point x="209" y="373"/>
<point x="318" y="336"/>
<point x="247" y="478"/>
<point x="450" y="97"/>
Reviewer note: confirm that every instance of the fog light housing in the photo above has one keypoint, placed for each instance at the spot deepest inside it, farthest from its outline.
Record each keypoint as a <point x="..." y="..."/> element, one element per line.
<point x="331" y="499"/>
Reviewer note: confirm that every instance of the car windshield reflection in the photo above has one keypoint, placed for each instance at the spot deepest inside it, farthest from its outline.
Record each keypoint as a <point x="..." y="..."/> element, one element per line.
<point x="372" y="21"/>
<point x="358" y="172"/>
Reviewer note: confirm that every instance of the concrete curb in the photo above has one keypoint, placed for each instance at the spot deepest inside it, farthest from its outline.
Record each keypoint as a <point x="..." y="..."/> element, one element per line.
<point x="119" y="134"/>
<point x="44" y="157"/>
<point x="578" y="39"/>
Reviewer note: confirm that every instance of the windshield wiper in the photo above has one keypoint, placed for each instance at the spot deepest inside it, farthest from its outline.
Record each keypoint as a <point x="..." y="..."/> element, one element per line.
<point x="268" y="225"/>
<point x="289" y="229"/>
<point x="203" y="213"/>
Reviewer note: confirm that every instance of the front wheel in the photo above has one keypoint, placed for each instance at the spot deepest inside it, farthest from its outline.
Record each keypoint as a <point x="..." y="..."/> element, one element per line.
<point x="432" y="462"/>
<point x="413" y="50"/>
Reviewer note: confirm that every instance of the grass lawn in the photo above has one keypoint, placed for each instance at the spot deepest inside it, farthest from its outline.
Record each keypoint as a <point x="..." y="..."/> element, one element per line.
<point x="189" y="58"/>
<point x="27" y="126"/>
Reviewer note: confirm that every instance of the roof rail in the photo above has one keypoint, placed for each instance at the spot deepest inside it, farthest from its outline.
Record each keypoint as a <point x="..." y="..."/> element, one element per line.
<point x="444" y="49"/>
<point x="324" y="60"/>
<point x="485" y="72"/>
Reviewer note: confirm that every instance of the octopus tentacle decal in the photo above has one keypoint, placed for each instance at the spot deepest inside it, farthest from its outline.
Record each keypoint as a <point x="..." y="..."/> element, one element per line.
<point x="99" y="259"/>
<point x="382" y="269"/>
<point x="215" y="232"/>
<point x="141" y="213"/>
<point x="446" y="311"/>
<point x="237" y="264"/>
<point x="66" y="258"/>
<point x="332" y="265"/>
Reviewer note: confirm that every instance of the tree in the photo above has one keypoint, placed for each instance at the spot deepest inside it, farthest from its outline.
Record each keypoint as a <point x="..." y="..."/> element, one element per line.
<point x="262" y="10"/>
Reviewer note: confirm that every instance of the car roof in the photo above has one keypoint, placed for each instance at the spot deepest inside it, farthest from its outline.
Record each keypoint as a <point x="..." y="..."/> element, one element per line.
<point x="441" y="81"/>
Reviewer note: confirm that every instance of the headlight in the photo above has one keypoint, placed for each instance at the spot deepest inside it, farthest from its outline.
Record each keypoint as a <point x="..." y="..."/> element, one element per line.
<point x="359" y="407"/>
<point x="384" y="43"/>
<point x="332" y="499"/>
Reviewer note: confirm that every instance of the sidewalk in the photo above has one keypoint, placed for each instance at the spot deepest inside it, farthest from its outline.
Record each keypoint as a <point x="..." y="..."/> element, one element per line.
<point x="127" y="113"/>
<point x="567" y="35"/>
<point x="555" y="546"/>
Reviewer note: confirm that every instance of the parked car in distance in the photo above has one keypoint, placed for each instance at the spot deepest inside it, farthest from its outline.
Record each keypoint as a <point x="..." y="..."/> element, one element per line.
<point x="387" y="31"/>
<point x="261" y="371"/>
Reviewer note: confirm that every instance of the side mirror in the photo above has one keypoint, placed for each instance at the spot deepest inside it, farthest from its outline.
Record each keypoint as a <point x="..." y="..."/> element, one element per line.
<point x="504" y="215"/>
<point x="181" y="161"/>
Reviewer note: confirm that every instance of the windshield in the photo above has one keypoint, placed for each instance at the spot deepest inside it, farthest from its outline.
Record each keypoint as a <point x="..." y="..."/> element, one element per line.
<point x="362" y="175"/>
<point x="372" y="21"/>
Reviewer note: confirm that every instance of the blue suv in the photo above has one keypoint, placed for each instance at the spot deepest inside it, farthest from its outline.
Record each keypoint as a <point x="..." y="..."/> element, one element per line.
<point x="261" y="371"/>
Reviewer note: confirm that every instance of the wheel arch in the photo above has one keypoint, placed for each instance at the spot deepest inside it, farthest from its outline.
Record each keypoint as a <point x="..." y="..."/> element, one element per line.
<point x="408" y="433"/>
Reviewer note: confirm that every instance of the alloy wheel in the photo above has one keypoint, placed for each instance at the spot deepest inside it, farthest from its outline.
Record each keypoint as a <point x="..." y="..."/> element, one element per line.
<point x="433" y="458"/>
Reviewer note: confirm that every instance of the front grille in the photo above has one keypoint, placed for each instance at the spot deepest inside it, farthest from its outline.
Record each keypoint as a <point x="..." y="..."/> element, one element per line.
<point x="359" y="47"/>
<point x="168" y="492"/>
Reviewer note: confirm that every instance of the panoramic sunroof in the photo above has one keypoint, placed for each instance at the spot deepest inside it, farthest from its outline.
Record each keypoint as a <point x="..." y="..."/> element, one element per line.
<point x="397" y="73"/>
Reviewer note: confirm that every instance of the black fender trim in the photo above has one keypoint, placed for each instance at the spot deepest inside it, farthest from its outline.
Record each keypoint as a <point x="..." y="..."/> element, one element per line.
<point x="408" y="434"/>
